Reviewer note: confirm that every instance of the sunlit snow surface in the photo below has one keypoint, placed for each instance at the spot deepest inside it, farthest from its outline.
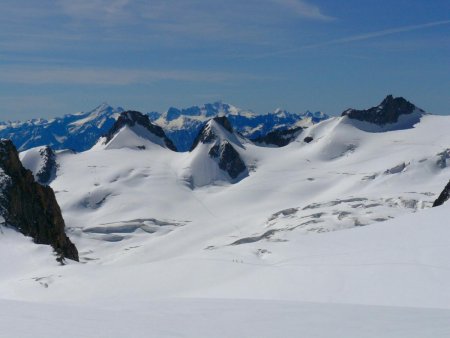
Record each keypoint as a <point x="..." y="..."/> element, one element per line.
<point x="160" y="257"/>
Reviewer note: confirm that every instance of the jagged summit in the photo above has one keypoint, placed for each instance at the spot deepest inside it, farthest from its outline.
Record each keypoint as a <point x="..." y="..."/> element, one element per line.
<point x="30" y="207"/>
<point x="218" y="127"/>
<point x="140" y="127"/>
<point x="389" y="111"/>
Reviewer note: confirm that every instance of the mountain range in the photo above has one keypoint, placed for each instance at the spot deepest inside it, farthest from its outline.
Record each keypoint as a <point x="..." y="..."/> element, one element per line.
<point x="80" y="131"/>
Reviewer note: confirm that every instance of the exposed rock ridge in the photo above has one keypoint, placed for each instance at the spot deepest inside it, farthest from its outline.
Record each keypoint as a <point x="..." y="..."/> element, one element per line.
<point x="280" y="138"/>
<point x="48" y="171"/>
<point x="443" y="197"/>
<point x="30" y="207"/>
<point x="387" y="112"/>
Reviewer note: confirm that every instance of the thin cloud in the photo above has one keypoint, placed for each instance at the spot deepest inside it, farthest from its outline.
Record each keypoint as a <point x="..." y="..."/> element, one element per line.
<point x="386" y="32"/>
<point x="359" y="37"/>
<point x="303" y="9"/>
<point x="114" y="77"/>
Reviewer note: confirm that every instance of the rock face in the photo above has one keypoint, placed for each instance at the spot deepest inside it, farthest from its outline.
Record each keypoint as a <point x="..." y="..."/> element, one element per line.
<point x="48" y="170"/>
<point x="30" y="207"/>
<point x="228" y="159"/>
<point x="443" y="197"/>
<point x="133" y="118"/>
<point x="280" y="138"/>
<point x="387" y="112"/>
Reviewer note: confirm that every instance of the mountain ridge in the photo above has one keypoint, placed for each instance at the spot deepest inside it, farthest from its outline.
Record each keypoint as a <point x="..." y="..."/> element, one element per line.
<point x="80" y="131"/>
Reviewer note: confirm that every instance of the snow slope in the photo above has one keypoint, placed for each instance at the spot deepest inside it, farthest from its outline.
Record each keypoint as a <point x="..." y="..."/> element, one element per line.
<point x="262" y="252"/>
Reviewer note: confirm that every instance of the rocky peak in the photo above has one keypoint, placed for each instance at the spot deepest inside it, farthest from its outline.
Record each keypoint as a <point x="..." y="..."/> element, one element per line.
<point x="443" y="197"/>
<point x="30" y="207"/>
<point x="220" y="141"/>
<point x="132" y="118"/>
<point x="387" y="112"/>
<point x="209" y="132"/>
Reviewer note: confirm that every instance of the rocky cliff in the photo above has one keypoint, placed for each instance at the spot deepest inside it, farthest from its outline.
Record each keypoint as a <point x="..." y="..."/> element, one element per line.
<point x="30" y="207"/>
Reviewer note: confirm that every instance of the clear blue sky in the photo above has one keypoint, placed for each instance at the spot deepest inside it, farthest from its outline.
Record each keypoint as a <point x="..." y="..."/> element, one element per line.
<point x="63" y="56"/>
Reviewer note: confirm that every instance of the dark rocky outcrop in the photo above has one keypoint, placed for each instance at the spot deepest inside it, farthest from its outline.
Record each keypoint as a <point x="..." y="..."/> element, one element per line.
<point x="387" y="112"/>
<point x="228" y="159"/>
<point x="30" y="207"/>
<point x="308" y="139"/>
<point x="131" y="118"/>
<point x="443" y="197"/>
<point x="280" y="138"/>
<point x="48" y="171"/>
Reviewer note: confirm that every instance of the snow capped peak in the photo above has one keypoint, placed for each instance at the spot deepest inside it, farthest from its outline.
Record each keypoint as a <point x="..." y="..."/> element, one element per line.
<point x="102" y="107"/>
<point x="217" y="129"/>
<point x="203" y="112"/>
<point x="134" y="130"/>
<point x="216" y="155"/>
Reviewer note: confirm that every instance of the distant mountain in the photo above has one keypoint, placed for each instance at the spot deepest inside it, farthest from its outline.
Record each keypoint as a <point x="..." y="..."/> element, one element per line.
<point x="81" y="131"/>
<point x="78" y="131"/>
<point x="182" y="126"/>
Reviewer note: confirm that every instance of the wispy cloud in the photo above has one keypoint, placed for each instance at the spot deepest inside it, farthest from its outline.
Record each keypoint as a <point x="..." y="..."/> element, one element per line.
<point x="100" y="10"/>
<point x="303" y="9"/>
<point x="385" y="32"/>
<point x="358" y="37"/>
<point x="114" y="77"/>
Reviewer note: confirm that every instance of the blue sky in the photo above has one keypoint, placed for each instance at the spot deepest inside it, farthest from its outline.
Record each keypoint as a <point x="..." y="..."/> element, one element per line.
<point x="63" y="56"/>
